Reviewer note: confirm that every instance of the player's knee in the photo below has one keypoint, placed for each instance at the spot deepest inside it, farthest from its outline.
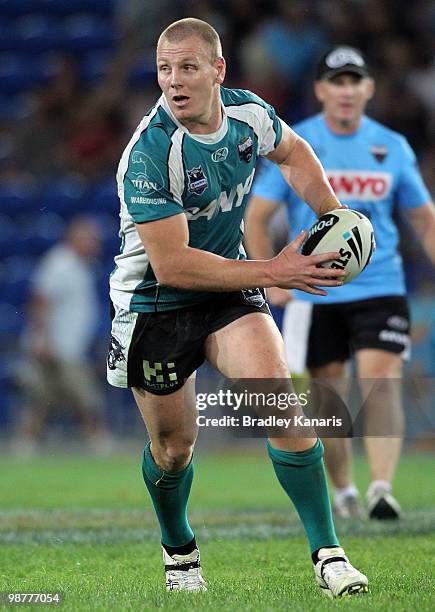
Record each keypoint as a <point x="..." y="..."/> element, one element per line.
<point x="174" y="455"/>
<point x="381" y="371"/>
<point x="275" y="370"/>
<point x="379" y="365"/>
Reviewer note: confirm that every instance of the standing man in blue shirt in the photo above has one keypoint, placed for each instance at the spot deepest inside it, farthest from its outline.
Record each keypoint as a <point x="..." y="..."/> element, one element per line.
<point x="373" y="170"/>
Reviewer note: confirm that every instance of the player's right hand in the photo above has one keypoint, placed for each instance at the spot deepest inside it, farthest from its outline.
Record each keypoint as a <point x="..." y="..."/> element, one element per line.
<point x="292" y="270"/>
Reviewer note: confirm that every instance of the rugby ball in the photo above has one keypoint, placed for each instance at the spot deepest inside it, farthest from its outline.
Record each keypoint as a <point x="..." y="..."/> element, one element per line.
<point x="344" y="230"/>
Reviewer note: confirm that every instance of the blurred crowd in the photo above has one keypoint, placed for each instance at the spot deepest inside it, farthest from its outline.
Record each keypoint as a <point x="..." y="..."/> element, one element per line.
<point x="76" y="76"/>
<point x="96" y="87"/>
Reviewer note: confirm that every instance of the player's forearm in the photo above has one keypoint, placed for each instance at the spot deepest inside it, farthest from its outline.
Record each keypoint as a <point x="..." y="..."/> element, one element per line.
<point x="203" y="271"/>
<point x="423" y="222"/>
<point x="306" y="176"/>
<point x="257" y="241"/>
<point x="428" y="241"/>
<point x="427" y="231"/>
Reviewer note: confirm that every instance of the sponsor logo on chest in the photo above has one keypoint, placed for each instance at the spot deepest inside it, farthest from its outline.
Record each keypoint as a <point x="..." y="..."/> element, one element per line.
<point x="365" y="186"/>
<point x="225" y="202"/>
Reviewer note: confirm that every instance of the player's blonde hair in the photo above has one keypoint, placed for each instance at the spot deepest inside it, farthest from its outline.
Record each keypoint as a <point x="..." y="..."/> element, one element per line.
<point x="183" y="28"/>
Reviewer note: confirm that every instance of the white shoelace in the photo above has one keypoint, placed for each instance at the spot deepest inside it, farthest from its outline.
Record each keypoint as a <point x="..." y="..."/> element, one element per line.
<point x="337" y="568"/>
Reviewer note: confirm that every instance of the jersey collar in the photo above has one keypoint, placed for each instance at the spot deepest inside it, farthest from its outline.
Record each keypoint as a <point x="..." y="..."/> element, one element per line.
<point x="204" y="138"/>
<point x="342" y="136"/>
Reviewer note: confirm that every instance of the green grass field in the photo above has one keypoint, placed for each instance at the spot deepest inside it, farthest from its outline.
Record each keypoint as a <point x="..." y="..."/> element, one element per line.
<point x="84" y="526"/>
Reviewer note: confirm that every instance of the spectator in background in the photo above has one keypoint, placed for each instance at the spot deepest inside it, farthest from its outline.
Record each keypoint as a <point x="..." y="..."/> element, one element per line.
<point x="421" y="78"/>
<point x="62" y="325"/>
<point x="139" y="22"/>
<point x="94" y="139"/>
<point x="39" y="143"/>
<point x="285" y="47"/>
<point x="367" y="319"/>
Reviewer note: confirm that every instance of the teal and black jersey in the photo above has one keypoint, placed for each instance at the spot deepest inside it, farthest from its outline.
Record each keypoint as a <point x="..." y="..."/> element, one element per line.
<point x="167" y="171"/>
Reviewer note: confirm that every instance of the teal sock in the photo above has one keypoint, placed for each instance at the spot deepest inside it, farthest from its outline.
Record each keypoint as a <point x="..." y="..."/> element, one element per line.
<point x="169" y="493"/>
<point x="302" y="476"/>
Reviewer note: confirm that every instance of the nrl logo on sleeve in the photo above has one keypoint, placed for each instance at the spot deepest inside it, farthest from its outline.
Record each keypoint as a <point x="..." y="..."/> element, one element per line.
<point x="197" y="181"/>
<point x="220" y="155"/>
<point x="245" y="148"/>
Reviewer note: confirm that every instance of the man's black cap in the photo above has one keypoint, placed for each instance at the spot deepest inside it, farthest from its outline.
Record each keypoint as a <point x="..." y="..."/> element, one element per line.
<point x="341" y="60"/>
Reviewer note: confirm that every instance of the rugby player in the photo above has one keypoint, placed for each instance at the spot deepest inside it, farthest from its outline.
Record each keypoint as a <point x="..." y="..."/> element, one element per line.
<point x="183" y="292"/>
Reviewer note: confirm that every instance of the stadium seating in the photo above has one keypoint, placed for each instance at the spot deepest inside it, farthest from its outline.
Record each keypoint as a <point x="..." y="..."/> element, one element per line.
<point x="67" y="197"/>
<point x="38" y="234"/>
<point x="15" y="8"/>
<point x="8" y="236"/>
<point x="143" y="71"/>
<point x="29" y="28"/>
<point x="84" y="32"/>
<point x="109" y="224"/>
<point x="17" y="198"/>
<point x="104" y="197"/>
<point x="68" y="7"/>
<point x="5" y="383"/>
<point x="15" y="277"/>
<point x="36" y="33"/>
<point x="11" y="322"/>
<point x="94" y="65"/>
<point x="7" y="35"/>
<point x="15" y="107"/>
<point x="15" y="74"/>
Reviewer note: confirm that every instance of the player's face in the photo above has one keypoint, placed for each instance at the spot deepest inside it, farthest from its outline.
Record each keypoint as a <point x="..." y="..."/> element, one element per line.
<point x="344" y="99"/>
<point x="190" y="80"/>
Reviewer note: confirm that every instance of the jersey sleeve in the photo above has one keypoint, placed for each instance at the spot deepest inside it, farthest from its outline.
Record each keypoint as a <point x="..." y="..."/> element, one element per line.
<point x="270" y="183"/>
<point x="271" y="130"/>
<point x="148" y="186"/>
<point x="411" y="190"/>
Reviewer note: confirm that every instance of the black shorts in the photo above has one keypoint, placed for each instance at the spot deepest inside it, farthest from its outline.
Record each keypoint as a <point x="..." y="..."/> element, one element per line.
<point x="337" y="331"/>
<point x="159" y="351"/>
